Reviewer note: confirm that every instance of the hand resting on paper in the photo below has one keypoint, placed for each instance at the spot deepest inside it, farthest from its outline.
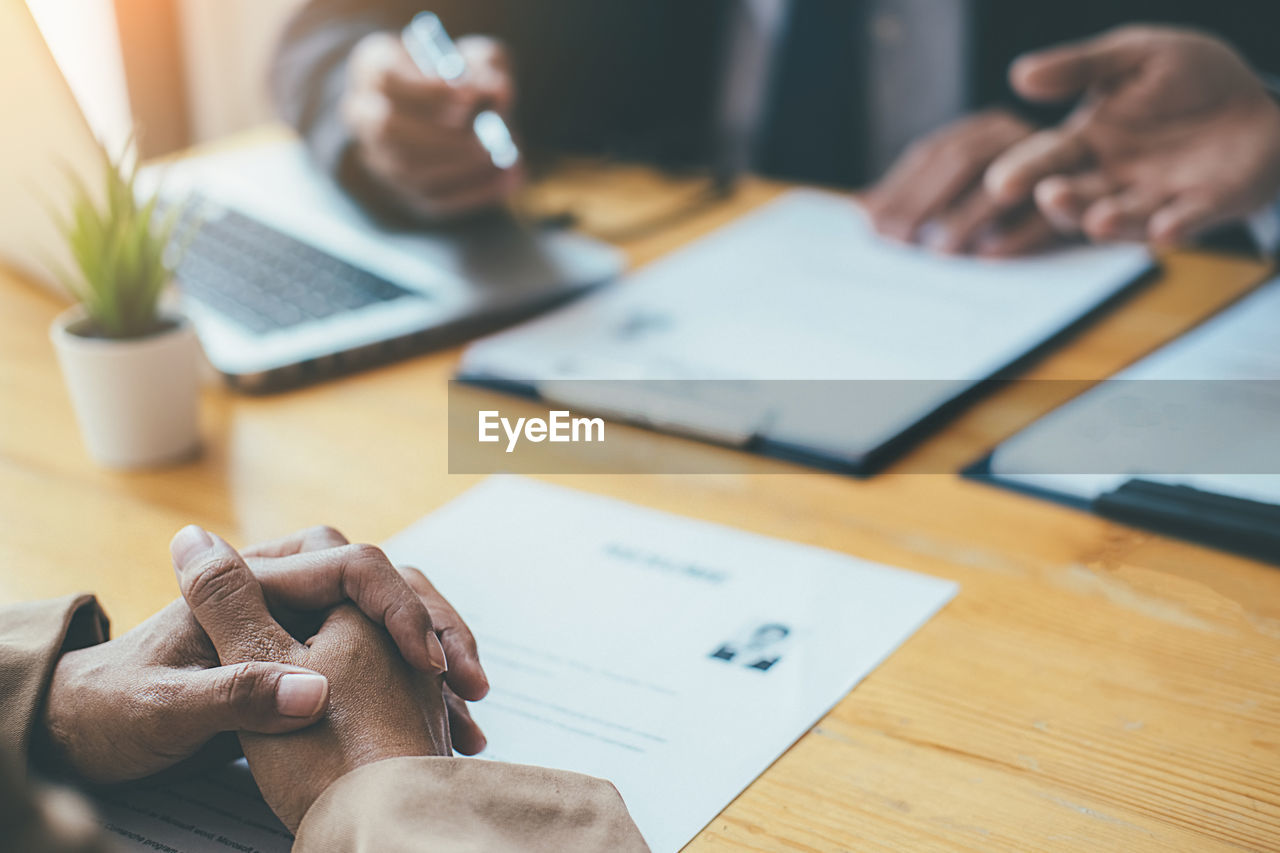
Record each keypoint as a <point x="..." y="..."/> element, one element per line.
<point x="157" y="695"/>
<point x="378" y="707"/>
<point x="319" y="568"/>
<point x="934" y="194"/>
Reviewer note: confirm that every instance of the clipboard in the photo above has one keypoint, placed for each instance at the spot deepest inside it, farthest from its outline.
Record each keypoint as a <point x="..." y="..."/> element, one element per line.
<point x="1202" y="462"/>
<point x="985" y="320"/>
<point x="1250" y="528"/>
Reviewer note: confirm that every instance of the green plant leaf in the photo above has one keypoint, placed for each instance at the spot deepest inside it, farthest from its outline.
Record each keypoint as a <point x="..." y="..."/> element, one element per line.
<point x="119" y="248"/>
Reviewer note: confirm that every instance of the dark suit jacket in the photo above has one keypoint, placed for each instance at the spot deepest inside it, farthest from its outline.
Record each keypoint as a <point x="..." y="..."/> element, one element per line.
<point x="638" y="78"/>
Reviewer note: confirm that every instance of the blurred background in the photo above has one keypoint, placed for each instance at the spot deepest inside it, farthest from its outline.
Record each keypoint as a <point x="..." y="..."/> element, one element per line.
<point x="185" y="71"/>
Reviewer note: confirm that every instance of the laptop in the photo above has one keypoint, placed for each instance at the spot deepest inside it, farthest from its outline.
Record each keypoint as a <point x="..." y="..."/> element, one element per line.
<point x="287" y="279"/>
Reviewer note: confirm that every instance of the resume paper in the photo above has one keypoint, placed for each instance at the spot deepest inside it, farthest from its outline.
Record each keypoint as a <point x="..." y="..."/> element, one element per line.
<point x="676" y="658"/>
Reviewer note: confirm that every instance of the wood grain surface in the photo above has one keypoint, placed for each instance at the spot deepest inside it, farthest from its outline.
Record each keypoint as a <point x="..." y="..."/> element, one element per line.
<point x="1092" y="687"/>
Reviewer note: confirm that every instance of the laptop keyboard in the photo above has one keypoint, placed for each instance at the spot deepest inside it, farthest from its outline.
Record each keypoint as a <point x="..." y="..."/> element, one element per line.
<point x="265" y="280"/>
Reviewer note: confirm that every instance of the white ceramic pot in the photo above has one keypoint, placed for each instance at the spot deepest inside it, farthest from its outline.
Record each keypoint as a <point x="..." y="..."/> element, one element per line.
<point x="137" y="401"/>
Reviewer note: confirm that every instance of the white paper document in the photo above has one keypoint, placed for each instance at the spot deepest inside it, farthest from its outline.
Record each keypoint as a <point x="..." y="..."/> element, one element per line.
<point x="803" y="289"/>
<point x="220" y="811"/>
<point x="676" y="658"/>
<point x="1213" y="394"/>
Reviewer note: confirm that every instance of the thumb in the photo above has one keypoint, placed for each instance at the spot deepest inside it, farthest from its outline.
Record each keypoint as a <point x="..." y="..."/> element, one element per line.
<point x="488" y="71"/>
<point x="268" y="698"/>
<point x="1059" y="73"/>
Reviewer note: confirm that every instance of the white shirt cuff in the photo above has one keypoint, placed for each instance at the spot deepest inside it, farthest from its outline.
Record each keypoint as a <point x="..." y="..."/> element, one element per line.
<point x="1265" y="228"/>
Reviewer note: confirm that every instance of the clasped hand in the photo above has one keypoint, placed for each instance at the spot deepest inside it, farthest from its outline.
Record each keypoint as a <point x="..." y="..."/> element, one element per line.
<point x="383" y="672"/>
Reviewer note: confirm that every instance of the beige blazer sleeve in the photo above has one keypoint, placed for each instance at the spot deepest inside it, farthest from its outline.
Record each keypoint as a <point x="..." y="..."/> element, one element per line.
<point x="32" y="638"/>
<point x="451" y="805"/>
<point x="441" y="805"/>
<point x="40" y="818"/>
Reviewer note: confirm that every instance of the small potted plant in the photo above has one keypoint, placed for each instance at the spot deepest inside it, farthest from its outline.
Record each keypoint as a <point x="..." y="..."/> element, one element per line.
<point x="132" y="368"/>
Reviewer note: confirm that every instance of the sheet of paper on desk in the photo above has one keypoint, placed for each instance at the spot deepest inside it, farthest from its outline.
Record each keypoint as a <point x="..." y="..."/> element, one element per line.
<point x="803" y="289"/>
<point x="675" y="658"/>
<point x="1224" y="394"/>
<point x="220" y="811"/>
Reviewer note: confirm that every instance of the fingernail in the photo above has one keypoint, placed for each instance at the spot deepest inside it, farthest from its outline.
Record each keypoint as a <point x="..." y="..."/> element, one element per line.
<point x="435" y="652"/>
<point x="189" y="542"/>
<point x="301" y="694"/>
<point x="995" y="179"/>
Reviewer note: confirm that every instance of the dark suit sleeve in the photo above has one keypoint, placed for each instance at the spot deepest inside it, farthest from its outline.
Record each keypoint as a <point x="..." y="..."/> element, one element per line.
<point x="634" y="79"/>
<point x="309" y="68"/>
<point x="308" y="72"/>
<point x="1003" y="30"/>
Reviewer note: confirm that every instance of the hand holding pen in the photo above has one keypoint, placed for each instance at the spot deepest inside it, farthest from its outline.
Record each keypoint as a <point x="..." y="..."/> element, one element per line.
<point x="417" y="132"/>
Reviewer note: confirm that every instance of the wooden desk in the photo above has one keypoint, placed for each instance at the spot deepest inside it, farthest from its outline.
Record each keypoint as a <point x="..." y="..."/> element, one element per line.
<point x="1091" y="688"/>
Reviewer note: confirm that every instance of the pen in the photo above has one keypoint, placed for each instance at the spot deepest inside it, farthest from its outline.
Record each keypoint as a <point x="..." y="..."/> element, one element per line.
<point x="435" y="54"/>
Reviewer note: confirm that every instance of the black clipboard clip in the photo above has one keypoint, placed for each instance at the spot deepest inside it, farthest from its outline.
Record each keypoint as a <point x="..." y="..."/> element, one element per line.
<point x="1234" y="524"/>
